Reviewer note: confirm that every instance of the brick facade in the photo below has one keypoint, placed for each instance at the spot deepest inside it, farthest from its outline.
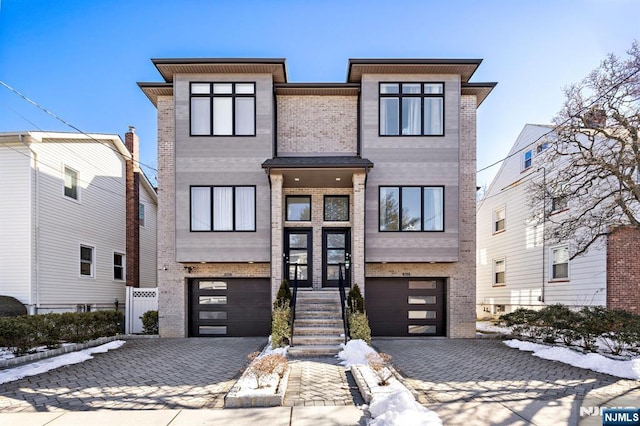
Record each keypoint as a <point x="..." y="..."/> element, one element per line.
<point x="623" y="269"/>
<point x="132" y="174"/>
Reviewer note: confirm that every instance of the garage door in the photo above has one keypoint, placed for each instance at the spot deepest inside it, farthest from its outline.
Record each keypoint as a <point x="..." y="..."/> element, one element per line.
<point x="229" y="307"/>
<point x="406" y="306"/>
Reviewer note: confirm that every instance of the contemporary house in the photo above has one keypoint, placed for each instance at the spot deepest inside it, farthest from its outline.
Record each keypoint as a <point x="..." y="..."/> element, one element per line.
<point x="517" y="267"/>
<point x="259" y="178"/>
<point x="77" y="220"/>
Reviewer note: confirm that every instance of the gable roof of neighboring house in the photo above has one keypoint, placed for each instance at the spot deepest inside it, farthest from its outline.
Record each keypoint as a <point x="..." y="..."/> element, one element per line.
<point x="114" y="141"/>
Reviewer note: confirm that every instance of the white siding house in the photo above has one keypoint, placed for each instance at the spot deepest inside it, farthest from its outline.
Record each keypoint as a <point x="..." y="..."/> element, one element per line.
<point x="63" y="220"/>
<point x="516" y="267"/>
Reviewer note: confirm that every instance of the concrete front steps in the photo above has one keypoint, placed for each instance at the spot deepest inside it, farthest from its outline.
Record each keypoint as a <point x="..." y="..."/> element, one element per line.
<point x="318" y="329"/>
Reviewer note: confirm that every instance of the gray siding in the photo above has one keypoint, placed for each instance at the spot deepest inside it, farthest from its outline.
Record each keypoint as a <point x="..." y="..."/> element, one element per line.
<point x="423" y="161"/>
<point x="223" y="161"/>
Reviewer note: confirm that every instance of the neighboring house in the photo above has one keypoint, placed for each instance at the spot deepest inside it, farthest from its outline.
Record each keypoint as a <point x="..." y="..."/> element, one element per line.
<point x="259" y="176"/>
<point x="516" y="267"/>
<point x="66" y="200"/>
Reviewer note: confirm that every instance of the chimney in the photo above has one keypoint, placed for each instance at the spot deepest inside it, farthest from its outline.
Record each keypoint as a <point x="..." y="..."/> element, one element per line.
<point x="132" y="174"/>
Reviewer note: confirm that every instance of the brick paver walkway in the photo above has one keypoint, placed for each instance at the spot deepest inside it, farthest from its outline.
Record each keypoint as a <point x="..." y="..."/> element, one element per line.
<point x="144" y="374"/>
<point x="482" y="381"/>
<point x="318" y="382"/>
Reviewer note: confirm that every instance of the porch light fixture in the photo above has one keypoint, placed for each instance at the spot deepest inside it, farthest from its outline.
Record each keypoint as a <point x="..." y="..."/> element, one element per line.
<point x="296" y="179"/>
<point x="338" y="179"/>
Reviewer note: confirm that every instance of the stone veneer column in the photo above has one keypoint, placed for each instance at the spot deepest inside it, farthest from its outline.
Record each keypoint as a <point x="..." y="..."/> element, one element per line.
<point x="172" y="303"/>
<point x="357" y="230"/>
<point x="462" y="286"/>
<point x="276" y="233"/>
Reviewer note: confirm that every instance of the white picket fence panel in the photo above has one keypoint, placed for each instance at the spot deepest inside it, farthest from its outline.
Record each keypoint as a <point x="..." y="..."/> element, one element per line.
<point x="139" y="301"/>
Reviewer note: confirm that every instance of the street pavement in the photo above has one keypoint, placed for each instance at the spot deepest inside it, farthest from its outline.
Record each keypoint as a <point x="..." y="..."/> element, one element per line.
<point x="183" y="382"/>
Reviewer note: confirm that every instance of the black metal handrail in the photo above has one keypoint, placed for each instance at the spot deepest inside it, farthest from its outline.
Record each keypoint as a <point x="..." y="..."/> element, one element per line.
<point x="343" y="302"/>
<point x="294" y="298"/>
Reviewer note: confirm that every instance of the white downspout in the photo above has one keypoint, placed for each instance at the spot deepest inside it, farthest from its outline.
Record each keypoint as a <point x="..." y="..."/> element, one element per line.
<point x="34" y="309"/>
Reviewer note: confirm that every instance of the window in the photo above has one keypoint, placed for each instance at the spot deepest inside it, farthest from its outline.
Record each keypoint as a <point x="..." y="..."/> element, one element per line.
<point x="560" y="263"/>
<point x="541" y="147"/>
<point x="336" y="208"/>
<point x="141" y="214"/>
<point x="223" y="109"/>
<point x="86" y="261"/>
<point x="298" y="208"/>
<point x="498" y="219"/>
<point x="118" y="266"/>
<point x="411" y="208"/>
<point x="71" y="183"/>
<point x="223" y="208"/>
<point x="411" y="109"/>
<point x="498" y="272"/>
<point x="527" y="160"/>
<point x="559" y="199"/>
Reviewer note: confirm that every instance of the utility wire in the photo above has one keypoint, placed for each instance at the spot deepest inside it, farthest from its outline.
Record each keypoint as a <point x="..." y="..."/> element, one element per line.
<point x="37" y="105"/>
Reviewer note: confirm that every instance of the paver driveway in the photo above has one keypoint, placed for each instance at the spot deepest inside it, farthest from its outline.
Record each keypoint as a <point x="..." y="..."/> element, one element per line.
<point x="484" y="382"/>
<point x="143" y="374"/>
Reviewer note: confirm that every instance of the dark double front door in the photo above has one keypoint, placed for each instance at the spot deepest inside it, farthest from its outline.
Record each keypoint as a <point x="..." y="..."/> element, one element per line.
<point x="298" y="255"/>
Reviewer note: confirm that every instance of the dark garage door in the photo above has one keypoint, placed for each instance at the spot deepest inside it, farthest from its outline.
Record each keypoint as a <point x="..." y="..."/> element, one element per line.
<point x="406" y="306"/>
<point x="229" y="307"/>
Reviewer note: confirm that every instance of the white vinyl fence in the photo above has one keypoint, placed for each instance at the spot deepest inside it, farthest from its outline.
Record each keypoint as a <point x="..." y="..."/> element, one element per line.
<point x="139" y="301"/>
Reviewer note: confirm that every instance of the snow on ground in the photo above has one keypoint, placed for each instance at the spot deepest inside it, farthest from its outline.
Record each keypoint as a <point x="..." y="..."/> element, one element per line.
<point x="490" y="327"/>
<point x="249" y="386"/>
<point x="45" y="365"/>
<point x="393" y="404"/>
<point x="626" y="369"/>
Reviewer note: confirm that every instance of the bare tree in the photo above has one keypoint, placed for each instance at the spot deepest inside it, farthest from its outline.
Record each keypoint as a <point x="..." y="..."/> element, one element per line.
<point x="590" y="180"/>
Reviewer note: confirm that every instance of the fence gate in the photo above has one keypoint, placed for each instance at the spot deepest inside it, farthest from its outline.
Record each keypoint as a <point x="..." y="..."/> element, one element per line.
<point x="139" y="301"/>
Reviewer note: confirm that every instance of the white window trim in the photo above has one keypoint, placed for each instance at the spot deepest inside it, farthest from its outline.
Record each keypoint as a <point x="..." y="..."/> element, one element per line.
<point x="551" y="278"/>
<point x="144" y="208"/>
<point x="124" y="265"/>
<point x="93" y="261"/>
<point x="78" y="191"/>
<point x="495" y="220"/>
<point x="493" y="269"/>
<point x="524" y="155"/>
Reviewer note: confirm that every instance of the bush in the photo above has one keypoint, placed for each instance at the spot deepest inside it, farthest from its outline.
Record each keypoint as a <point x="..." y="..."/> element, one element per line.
<point x="359" y="326"/>
<point x="262" y="368"/>
<point x="591" y="324"/>
<point x="524" y="322"/>
<point x="17" y="335"/>
<point x="150" y="322"/>
<point x="11" y="307"/>
<point x="380" y="363"/>
<point x="283" y="298"/>
<point x="280" y="326"/>
<point x="557" y="322"/>
<point x="355" y="301"/>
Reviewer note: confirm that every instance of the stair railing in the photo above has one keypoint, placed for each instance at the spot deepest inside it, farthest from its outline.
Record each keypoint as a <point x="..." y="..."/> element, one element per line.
<point x="294" y="298"/>
<point x="343" y="302"/>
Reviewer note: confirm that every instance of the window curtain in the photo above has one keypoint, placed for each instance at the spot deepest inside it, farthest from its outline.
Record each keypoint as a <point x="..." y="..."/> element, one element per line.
<point x="245" y="123"/>
<point x="201" y="209"/>
<point x="222" y="209"/>
<point x="433" y="209"/>
<point x="200" y="116"/>
<point x="389" y="116"/>
<point x="433" y="116"/>
<point x="411" y="110"/>
<point x="222" y="116"/>
<point x="245" y="209"/>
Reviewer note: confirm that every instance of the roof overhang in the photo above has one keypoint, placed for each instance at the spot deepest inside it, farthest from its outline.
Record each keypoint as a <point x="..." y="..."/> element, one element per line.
<point x="317" y="172"/>
<point x="464" y="67"/>
<point x="153" y="90"/>
<point x="318" y="89"/>
<point x="168" y="67"/>
<point x="479" y="90"/>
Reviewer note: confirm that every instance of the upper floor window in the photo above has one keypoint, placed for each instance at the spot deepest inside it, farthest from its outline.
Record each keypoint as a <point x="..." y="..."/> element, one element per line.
<point x="560" y="263"/>
<point x="411" y="109"/>
<point x="499" y="216"/>
<point x="411" y="208"/>
<point x="541" y="147"/>
<point x="298" y="208"/>
<point x="223" y="208"/>
<point x="223" y="109"/>
<point x="141" y="213"/>
<point x="336" y="208"/>
<point x="71" y="183"/>
<point x="499" y="269"/>
<point x="527" y="160"/>
<point x="559" y="199"/>
<point x="86" y="261"/>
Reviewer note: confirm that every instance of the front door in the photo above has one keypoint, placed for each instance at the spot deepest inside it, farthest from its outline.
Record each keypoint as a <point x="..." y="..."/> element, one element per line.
<point x="336" y="251"/>
<point x="297" y="254"/>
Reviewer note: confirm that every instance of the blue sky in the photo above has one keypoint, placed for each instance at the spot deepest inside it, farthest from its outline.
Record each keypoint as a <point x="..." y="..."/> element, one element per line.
<point x="82" y="59"/>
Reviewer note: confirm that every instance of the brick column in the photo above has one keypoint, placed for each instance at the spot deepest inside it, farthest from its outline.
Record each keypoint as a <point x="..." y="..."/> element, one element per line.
<point x="276" y="234"/>
<point x="132" y="178"/>
<point x="357" y="230"/>
<point x="623" y="269"/>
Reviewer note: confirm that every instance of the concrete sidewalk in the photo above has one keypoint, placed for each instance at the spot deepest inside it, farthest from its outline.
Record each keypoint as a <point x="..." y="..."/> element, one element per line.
<point x="276" y="416"/>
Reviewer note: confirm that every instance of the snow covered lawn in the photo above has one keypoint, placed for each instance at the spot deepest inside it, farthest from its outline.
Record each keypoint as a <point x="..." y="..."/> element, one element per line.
<point x="16" y="373"/>
<point x="392" y="404"/>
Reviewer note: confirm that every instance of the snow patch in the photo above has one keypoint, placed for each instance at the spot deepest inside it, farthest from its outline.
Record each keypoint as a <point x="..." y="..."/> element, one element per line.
<point x="354" y="353"/>
<point x="11" y="374"/>
<point x="626" y="369"/>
